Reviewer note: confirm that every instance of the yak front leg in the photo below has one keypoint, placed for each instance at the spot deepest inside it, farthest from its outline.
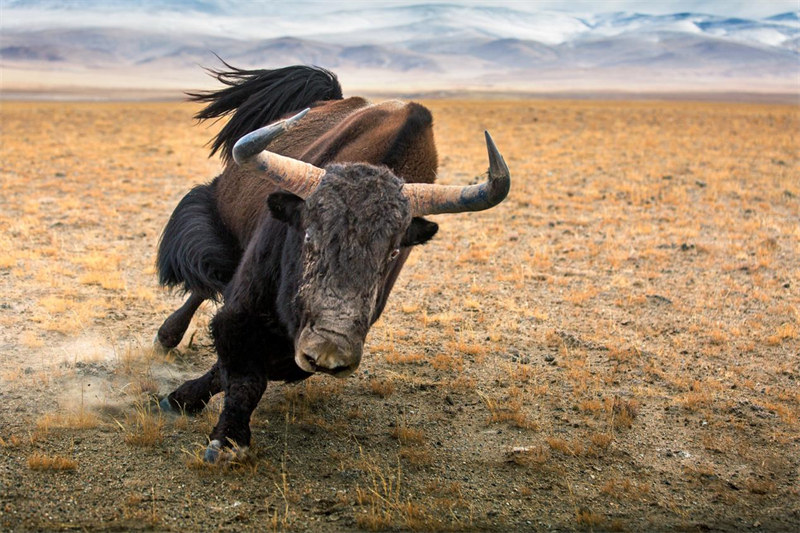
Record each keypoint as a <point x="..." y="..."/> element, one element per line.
<point x="243" y="391"/>
<point x="193" y="395"/>
<point x="172" y="330"/>
<point x="240" y="342"/>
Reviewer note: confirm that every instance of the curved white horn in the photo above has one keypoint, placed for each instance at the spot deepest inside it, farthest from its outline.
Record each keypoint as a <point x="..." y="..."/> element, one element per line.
<point x="289" y="174"/>
<point x="432" y="199"/>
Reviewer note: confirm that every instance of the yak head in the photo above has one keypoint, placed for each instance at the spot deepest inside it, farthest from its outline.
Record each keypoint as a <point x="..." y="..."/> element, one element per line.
<point x="353" y="220"/>
<point x="352" y="228"/>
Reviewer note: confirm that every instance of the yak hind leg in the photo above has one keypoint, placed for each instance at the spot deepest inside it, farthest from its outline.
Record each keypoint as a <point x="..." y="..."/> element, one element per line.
<point x="193" y="395"/>
<point x="198" y="253"/>
<point x="174" y="327"/>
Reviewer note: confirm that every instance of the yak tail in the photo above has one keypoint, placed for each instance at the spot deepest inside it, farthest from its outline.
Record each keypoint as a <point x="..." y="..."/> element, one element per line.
<point x="258" y="97"/>
<point x="196" y="251"/>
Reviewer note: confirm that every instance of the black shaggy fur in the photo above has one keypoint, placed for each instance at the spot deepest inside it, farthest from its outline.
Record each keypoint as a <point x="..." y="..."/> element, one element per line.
<point x="196" y="250"/>
<point x="315" y="273"/>
<point x="258" y="97"/>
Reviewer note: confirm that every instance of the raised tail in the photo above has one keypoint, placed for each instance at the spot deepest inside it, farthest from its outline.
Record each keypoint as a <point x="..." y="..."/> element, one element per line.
<point x="259" y="97"/>
<point x="196" y="251"/>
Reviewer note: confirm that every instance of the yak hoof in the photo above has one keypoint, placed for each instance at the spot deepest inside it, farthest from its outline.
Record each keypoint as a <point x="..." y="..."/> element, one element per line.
<point x="166" y="341"/>
<point x="166" y="406"/>
<point x="217" y="454"/>
<point x="159" y="347"/>
<point x="212" y="451"/>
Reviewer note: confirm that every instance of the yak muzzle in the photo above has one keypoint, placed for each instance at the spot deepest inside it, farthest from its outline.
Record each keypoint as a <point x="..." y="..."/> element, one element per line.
<point x="319" y="350"/>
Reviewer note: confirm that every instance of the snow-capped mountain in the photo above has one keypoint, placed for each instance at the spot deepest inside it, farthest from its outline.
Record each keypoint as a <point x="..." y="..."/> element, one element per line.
<point x="444" y="44"/>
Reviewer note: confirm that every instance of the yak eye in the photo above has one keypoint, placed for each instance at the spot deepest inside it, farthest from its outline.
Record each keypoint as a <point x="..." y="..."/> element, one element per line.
<point x="307" y="238"/>
<point x="394" y="254"/>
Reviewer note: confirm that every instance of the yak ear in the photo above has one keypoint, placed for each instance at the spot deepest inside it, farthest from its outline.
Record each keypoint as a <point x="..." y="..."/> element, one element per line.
<point x="286" y="207"/>
<point x="419" y="232"/>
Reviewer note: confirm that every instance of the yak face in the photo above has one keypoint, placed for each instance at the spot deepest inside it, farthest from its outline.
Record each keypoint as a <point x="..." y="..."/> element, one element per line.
<point x="353" y="226"/>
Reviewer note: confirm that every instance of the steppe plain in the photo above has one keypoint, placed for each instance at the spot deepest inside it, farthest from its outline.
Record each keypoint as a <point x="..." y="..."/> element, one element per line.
<point x="614" y="348"/>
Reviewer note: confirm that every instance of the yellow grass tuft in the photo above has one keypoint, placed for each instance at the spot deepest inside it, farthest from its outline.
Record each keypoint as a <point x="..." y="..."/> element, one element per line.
<point x="80" y="419"/>
<point x="566" y="447"/>
<point x="601" y="441"/>
<point x="416" y="456"/>
<point x="589" y="519"/>
<point x="143" y="428"/>
<point x="385" y="502"/>
<point x="407" y="435"/>
<point x="509" y="411"/>
<point x="529" y="455"/>
<point x="381" y="387"/>
<point x="40" y="461"/>
<point x="448" y="362"/>
<point x="11" y="441"/>
<point x="784" y="332"/>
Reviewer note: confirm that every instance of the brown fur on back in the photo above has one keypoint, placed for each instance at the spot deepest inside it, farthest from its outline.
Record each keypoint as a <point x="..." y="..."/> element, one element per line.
<point x="396" y="134"/>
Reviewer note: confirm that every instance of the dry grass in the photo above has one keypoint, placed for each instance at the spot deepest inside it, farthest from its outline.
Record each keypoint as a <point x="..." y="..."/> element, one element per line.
<point x="80" y="419"/>
<point x="40" y="461"/>
<point x="625" y="489"/>
<point x="537" y="456"/>
<point x="385" y="503"/>
<point x="508" y="411"/>
<point x="631" y="308"/>
<point x="589" y="519"/>
<point x="407" y="435"/>
<point x="381" y="387"/>
<point x="143" y="427"/>
<point x="11" y="441"/>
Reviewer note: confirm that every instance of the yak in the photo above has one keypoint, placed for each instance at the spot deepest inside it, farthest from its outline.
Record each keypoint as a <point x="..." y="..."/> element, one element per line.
<point x="303" y="234"/>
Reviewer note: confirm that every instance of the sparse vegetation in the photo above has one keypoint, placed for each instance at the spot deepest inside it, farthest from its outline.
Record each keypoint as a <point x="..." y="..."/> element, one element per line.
<point x="40" y="461"/>
<point x="144" y="427"/>
<point x="613" y="348"/>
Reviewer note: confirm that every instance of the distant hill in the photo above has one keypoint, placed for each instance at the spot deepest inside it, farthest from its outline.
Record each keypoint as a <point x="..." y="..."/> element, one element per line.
<point x="162" y="44"/>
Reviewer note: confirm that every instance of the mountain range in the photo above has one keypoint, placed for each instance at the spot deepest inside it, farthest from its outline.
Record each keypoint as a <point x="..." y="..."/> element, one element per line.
<point x="162" y="44"/>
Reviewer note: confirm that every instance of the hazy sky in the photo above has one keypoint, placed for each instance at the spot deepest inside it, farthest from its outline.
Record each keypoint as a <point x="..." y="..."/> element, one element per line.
<point x="298" y="17"/>
<point x="741" y="8"/>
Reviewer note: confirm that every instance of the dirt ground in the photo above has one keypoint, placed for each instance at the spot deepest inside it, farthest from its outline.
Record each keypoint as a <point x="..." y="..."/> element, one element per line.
<point x="614" y="348"/>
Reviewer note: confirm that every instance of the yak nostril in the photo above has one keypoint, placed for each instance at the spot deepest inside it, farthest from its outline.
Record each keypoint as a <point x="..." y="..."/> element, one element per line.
<point x="307" y="362"/>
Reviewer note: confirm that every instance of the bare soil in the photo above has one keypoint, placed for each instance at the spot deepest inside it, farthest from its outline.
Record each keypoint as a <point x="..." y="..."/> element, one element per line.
<point x="615" y="348"/>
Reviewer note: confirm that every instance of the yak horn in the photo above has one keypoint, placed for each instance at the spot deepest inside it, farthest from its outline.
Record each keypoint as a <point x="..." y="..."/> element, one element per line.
<point x="432" y="199"/>
<point x="289" y="174"/>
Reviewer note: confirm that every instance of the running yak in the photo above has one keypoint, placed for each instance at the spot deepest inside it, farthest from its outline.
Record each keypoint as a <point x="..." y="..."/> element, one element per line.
<point x="302" y="235"/>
